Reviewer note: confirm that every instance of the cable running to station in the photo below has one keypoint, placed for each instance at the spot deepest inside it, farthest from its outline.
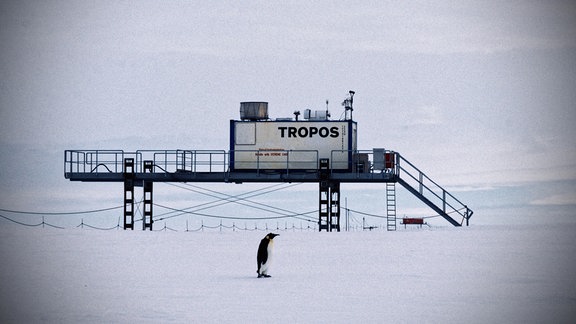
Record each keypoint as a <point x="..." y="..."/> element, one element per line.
<point x="228" y="217"/>
<point x="235" y="199"/>
<point x="215" y="201"/>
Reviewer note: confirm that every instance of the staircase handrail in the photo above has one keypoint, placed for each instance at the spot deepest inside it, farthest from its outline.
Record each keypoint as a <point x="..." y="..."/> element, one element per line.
<point x="466" y="214"/>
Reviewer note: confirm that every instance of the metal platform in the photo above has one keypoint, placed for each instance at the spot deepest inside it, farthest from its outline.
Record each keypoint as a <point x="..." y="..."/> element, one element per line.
<point x="144" y="167"/>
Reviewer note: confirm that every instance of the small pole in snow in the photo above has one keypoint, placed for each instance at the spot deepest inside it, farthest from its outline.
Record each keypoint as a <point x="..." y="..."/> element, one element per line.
<point x="346" y="206"/>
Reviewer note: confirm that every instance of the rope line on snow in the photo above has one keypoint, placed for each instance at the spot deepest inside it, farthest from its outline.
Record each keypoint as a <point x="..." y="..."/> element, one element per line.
<point x="60" y="213"/>
<point x="43" y="223"/>
<point x="82" y="224"/>
<point x="310" y="226"/>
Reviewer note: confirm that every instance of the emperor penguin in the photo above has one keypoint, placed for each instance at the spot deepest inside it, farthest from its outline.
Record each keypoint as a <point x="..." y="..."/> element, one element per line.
<point x="265" y="254"/>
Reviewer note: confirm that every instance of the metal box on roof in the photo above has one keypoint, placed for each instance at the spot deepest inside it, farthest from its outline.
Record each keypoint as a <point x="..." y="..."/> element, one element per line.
<point x="253" y="110"/>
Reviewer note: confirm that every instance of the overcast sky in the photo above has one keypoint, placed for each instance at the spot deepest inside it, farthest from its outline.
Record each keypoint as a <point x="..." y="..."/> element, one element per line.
<point x="479" y="94"/>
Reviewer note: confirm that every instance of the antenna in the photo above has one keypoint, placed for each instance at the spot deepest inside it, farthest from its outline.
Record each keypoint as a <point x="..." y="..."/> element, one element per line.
<point x="327" y="112"/>
<point x="297" y="113"/>
<point x="347" y="103"/>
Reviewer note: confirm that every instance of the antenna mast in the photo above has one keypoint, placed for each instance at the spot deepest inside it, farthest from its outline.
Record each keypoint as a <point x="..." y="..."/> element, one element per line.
<point x="347" y="103"/>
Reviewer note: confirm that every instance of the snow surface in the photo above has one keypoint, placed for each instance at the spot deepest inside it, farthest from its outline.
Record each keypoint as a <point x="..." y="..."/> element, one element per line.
<point x="480" y="274"/>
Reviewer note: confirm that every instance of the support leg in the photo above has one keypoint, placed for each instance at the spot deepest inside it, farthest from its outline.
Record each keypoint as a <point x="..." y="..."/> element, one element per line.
<point x="324" y="207"/>
<point x="147" y="221"/>
<point x="329" y="206"/>
<point x="335" y="206"/>
<point x="129" y="193"/>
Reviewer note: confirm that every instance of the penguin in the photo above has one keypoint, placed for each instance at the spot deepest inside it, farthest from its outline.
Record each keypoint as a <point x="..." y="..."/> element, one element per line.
<point x="265" y="254"/>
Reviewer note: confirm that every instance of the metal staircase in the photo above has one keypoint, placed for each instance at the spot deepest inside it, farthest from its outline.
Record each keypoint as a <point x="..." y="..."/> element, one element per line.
<point x="429" y="192"/>
<point x="391" y="206"/>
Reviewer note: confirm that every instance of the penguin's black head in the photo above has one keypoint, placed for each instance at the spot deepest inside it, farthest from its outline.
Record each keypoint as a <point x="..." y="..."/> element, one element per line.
<point x="272" y="235"/>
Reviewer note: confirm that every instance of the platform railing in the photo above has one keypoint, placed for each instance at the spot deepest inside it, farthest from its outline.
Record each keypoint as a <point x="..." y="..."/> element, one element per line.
<point x="95" y="161"/>
<point x="362" y="162"/>
<point x="201" y="161"/>
<point x="171" y="161"/>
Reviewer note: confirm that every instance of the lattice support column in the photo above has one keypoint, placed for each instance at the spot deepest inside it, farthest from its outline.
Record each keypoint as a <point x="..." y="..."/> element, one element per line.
<point x="329" y="206"/>
<point x="335" y="206"/>
<point x="129" y="193"/>
<point x="324" y="207"/>
<point x="324" y="195"/>
<point x="147" y="220"/>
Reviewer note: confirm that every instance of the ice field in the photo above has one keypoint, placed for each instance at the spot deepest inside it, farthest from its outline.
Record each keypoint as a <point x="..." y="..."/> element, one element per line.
<point x="479" y="274"/>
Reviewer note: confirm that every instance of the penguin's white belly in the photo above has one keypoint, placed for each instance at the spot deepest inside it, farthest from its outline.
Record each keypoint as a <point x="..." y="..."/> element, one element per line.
<point x="265" y="265"/>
